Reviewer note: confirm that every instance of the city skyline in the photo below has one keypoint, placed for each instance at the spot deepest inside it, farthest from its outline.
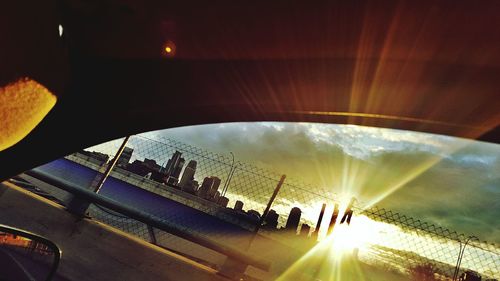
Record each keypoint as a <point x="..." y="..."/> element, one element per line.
<point x="176" y="175"/>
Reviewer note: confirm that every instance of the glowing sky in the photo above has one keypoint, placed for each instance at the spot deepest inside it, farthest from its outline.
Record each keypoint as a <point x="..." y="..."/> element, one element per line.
<point x="450" y="182"/>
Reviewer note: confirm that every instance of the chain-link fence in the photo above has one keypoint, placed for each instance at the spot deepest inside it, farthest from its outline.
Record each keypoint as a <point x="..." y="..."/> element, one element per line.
<point x="221" y="198"/>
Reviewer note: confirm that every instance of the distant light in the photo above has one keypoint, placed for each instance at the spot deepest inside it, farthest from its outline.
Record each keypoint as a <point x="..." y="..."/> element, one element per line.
<point x="169" y="49"/>
<point x="60" y="30"/>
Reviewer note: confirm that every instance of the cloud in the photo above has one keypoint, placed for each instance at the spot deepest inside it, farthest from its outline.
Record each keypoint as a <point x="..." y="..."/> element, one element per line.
<point x="447" y="181"/>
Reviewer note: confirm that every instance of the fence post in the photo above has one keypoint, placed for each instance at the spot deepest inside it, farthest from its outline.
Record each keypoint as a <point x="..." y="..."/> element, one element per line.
<point x="268" y="207"/>
<point x="78" y="206"/>
<point x="461" y="255"/>
<point x="152" y="234"/>
<point x="234" y="269"/>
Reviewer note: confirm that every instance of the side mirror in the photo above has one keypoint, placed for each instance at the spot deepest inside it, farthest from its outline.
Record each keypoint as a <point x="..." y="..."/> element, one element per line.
<point x="25" y="256"/>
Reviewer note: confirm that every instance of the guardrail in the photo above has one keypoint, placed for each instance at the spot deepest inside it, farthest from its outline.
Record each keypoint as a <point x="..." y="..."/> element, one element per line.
<point x="91" y="197"/>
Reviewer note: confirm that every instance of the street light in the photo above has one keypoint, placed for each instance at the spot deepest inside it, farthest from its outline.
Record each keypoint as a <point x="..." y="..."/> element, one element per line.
<point x="461" y="255"/>
<point x="229" y="176"/>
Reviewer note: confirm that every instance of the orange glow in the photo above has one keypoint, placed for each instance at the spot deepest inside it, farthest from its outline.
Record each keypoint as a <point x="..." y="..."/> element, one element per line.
<point x="23" y="104"/>
<point x="169" y="49"/>
<point x="12" y="240"/>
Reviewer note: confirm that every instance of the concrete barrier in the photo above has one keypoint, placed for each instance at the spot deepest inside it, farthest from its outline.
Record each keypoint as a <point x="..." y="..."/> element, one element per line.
<point x="91" y="250"/>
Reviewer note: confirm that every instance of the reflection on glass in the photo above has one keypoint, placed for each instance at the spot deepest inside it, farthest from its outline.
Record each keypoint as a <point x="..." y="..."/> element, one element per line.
<point x="23" y="259"/>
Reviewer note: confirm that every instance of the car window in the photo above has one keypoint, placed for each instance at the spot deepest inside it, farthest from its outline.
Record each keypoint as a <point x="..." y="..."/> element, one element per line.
<point x="342" y="200"/>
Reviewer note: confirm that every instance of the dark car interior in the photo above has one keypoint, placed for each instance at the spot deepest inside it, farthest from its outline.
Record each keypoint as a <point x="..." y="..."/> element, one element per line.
<point x="122" y="67"/>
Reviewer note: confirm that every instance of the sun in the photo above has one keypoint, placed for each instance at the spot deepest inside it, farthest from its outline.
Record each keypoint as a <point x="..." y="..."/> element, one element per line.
<point x="336" y="256"/>
<point x="359" y="235"/>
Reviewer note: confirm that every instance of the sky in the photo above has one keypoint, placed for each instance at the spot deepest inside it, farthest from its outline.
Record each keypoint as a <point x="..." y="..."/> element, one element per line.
<point x="451" y="182"/>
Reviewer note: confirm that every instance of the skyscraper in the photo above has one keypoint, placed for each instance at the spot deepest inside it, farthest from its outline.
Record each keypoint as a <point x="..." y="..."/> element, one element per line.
<point x="271" y="221"/>
<point x="204" y="188"/>
<point x="177" y="170"/>
<point x="209" y="188"/>
<point x="292" y="223"/>
<point x="173" y="168"/>
<point x="216" y="197"/>
<point x="188" y="175"/>
<point x="238" y="206"/>
<point x="214" y="188"/>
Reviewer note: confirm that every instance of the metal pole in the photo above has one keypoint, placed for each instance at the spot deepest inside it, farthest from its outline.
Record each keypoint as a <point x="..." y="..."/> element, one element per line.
<point x="266" y="211"/>
<point x="461" y="255"/>
<point x="229" y="175"/>
<point x="270" y="203"/>
<point x="230" y="178"/>
<point x="111" y="165"/>
<point x="458" y="259"/>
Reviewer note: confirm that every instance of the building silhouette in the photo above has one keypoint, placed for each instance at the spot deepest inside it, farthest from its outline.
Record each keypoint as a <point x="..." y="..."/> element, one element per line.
<point x="212" y="193"/>
<point x="151" y="164"/>
<point x="469" y="275"/>
<point x="254" y="215"/>
<point x="304" y="230"/>
<point x="187" y="181"/>
<point x="96" y="155"/>
<point x="216" y="197"/>
<point x="146" y="167"/>
<point x="292" y="223"/>
<point x="238" y="206"/>
<point x="271" y="221"/>
<point x="209" y="188"/>
<point x="223" y="201"/>
<point x="173" y="168"/>
<point x="125" y="157"/>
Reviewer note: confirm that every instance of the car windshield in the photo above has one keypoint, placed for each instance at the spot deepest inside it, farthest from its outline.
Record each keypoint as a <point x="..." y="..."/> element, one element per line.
<point x="318" y="201"/>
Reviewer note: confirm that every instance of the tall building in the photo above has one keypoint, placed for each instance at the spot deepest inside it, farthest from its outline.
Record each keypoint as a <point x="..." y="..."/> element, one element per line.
<point x="173" y="168"/>
<point x="204" y="188"/>
<point x="305" y="229"/>
<point x="216" y="197"/>
<point x="188" y="175"/>
<point x="151" y="164"/>
<point x="209" y="187"/>
<point x="214" y="188"/>
<point x="177" y="171"/>
<point x="125" y="157"/>
<point x="271" y="221"/>
<point x="292" y="223"/>
<point x="223" y="201"/>
<point x="191" y="187"/>
<point x="238" y="206"/>
<point x="143" y="168"/>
